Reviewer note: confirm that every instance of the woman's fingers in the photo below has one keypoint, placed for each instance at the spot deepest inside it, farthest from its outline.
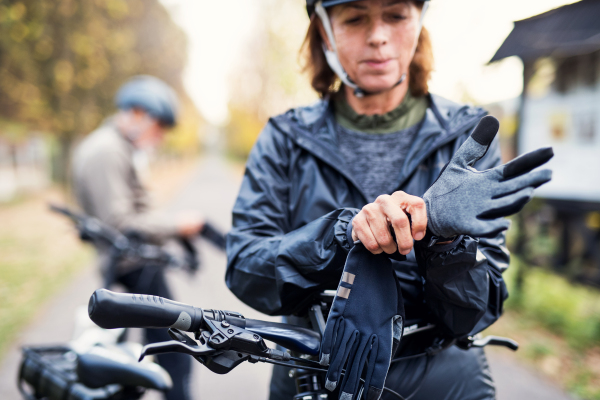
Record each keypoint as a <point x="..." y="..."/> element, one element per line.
<point x="399" y="222"/>
<point x="401" y="213"/>
<point x="378" y="222"/>
<point x="362" y="231"/>
<point x="415" y="207"/>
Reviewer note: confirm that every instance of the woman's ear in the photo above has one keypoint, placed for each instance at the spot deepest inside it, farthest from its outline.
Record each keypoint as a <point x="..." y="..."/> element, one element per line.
<point x="322" y="32"/>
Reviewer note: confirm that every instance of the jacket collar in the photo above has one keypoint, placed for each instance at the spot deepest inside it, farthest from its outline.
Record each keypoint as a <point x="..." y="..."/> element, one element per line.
<point x="313" y="129"/>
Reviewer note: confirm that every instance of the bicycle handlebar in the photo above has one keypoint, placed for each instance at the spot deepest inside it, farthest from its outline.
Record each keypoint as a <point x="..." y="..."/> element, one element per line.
<point x="64" y="211"/>
<point x="111" y="310"/>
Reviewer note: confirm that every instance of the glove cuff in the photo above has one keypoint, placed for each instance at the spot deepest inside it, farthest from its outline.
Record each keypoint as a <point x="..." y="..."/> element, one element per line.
<point x="432" y="230"/>
<point x="431" y="239"/>
<point x="343" y="228"/>
<point x="349" y="234"/>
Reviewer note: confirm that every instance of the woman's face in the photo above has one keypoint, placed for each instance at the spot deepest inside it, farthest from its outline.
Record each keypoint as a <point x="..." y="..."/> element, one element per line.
<point x="375" y="40"/>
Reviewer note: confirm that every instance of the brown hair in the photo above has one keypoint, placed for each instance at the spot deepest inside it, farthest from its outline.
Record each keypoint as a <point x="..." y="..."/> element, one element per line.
<point x="325" y="81"/>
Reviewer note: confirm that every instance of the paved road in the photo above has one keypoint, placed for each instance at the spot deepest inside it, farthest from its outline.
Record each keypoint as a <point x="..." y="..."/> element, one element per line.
<point x="214" y="188"/>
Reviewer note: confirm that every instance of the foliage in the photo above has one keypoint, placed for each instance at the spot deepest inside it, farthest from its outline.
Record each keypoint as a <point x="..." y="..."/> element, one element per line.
<point x="243" y="129"/>
<point x="61" y="62"/>
<point x="569" y="310"/>
<point x="269" y="81"/>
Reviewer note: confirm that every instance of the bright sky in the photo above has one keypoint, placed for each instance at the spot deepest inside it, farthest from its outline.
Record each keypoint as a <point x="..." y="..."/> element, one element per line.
<point x="217" y="31"/>
<point x="465" y="35"/>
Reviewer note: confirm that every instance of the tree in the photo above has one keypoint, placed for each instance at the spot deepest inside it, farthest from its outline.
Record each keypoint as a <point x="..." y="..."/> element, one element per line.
<point x="61" y="61"/>
<point x="268" y="80"/>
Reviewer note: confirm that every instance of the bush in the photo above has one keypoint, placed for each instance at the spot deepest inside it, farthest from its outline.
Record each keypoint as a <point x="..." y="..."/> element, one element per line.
<point x="567" y="309"/>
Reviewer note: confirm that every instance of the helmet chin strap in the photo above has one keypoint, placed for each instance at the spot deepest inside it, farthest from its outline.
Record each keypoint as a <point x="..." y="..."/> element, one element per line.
<point x="334" y="61"/>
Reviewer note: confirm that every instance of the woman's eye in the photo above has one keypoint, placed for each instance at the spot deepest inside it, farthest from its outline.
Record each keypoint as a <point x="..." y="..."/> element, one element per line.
<point x="398" y="17"/>
<point x="353" y="20"/>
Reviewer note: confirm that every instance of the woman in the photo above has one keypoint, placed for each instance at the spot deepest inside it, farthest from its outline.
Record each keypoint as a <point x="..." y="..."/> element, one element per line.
<point x="354" y="167"/>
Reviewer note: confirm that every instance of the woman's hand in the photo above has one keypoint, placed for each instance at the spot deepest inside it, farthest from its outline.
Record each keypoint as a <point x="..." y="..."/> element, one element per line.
<point x="372" y="224"/>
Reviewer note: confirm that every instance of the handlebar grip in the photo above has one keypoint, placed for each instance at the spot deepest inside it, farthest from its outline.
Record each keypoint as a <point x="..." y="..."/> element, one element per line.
<point x="111" y="310"/>
<point x="214" y="235"/>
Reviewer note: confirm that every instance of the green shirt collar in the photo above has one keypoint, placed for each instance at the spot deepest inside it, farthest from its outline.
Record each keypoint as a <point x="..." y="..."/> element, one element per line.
<point x="410" y="112"/>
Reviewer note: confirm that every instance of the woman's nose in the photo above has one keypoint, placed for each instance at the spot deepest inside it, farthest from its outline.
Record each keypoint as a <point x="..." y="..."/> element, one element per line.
<point x="378" y="34"/>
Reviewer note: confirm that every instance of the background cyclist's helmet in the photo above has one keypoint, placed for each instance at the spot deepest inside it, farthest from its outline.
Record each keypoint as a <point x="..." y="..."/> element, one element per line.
<point x="151" y="95"/>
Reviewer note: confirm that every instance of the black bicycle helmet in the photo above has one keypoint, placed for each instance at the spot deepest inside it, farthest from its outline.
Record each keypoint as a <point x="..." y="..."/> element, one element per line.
<point x="310" y="4"/>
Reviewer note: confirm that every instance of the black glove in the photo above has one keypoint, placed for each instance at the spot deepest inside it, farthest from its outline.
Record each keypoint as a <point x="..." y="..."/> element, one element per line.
<point x="364" y="325"/>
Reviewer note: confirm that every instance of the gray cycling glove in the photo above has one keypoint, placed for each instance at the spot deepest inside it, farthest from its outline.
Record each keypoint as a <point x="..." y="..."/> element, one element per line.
<point x="464" y="201"/>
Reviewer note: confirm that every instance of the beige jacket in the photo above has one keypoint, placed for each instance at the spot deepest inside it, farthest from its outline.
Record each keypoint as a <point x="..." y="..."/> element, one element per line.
<point x="108" y="187"/>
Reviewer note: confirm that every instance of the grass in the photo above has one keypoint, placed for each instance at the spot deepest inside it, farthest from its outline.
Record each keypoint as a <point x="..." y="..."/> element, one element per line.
<point x="557" y="324"/>
<point x="568" y="309"/>
<point x="40" y="251"/>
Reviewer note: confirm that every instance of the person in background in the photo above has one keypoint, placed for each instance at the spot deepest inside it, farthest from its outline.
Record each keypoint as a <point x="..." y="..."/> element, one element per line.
<point x="108" y="187"/>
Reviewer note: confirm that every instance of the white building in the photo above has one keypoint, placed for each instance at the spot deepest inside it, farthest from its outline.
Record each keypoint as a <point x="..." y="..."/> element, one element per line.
<point x="560" y="107"/>
<point x="560" y="50"/>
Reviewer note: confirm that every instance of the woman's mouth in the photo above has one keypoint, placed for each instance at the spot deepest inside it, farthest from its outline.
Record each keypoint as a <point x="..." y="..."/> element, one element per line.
<point x="378" y="64"/>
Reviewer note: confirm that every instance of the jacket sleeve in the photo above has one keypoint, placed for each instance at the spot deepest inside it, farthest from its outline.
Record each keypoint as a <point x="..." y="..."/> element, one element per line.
<point x="271" y="267"/>
<point x="464" y="288"/>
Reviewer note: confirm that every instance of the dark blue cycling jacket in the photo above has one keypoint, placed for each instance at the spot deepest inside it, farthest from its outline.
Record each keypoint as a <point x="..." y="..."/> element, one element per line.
<point x="289" y="239"/>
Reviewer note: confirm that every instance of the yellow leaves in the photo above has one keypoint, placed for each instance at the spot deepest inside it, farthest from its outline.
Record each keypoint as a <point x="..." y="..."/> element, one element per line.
<point x="242" y="131"/>
<point x="119" y="42"/>
<point x="30" y="94"/>
<point x="90" y="118"/>
<point x="63" y="75"/>
<point x="97" y="28"/>
<point x="92" y="65"/>
<point x="82" y="44"/>
<point x="17" y="11"/>
<point x="86" y="79"/>
<point x="89" y="77"/>
<point x="63" y="60"/>
<point x="129" y="63"/>
<point x="67" y="7"/>
<point x="117" y="9"/>
<point x="136" y="7"/>
<point x="43" y="49"/>
<point x="65" y="121"/>
<point x="18" y="32"/>
<point x="36" y="30"/>
<point x="185" y="137"/>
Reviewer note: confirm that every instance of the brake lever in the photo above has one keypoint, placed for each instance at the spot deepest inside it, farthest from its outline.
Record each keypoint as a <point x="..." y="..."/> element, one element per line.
<point x="496" y="341"/>
<point x="174" y="346"/>
<point x="181" y="336"/>
<point x="469" y="342"/>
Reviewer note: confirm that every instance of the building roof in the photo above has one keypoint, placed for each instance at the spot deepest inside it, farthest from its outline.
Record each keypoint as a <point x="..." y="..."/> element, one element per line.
<point x="566" y="31"/>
